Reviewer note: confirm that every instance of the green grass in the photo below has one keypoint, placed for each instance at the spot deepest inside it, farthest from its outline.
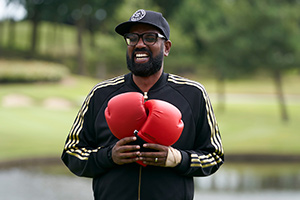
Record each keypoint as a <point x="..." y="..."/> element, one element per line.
<point x="73" y="88"/>
<point x="251" y="121"/>
<point x="36" y="130"/>
<point x="258" y="128"/>
<point x="33" y="131"/>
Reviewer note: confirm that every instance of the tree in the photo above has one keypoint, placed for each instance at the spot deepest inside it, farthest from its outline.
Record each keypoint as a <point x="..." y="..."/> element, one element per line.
<point x="239" y="37"/>
<point x="209" y="24"/>
<point x="37" y="11"/>
<point x="11" y="23"/>
<point x="34" y="12"/>
<point x="168" y="8"/>
<point x="271" y="34"/>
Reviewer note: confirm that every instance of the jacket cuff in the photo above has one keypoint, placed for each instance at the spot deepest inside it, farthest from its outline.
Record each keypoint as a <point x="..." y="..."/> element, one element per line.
<point x="184" y="165"/>
<point x="105" y="157"/>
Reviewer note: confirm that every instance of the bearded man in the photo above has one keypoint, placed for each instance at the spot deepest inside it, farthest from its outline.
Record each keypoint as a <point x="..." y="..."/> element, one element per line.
<point x="101" y="144"/>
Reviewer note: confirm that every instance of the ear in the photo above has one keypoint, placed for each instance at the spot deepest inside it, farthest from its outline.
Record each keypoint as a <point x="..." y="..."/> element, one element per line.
<point x="168" y="45"/>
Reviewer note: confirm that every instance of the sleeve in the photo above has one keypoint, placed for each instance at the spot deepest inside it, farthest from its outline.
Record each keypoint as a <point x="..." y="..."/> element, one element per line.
<point x="207" y="155"/>
<point x="81" y="154"/>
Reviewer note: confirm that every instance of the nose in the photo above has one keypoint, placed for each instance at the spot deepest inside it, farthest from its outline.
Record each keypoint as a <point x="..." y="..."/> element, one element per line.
<point x="140" y="43"/>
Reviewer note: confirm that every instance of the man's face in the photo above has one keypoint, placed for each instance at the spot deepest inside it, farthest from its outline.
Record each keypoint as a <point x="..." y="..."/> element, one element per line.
<point x="145" y="60"/>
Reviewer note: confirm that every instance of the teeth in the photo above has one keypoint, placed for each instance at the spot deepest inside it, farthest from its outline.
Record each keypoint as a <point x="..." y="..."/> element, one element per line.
<point x="141" y="55"/>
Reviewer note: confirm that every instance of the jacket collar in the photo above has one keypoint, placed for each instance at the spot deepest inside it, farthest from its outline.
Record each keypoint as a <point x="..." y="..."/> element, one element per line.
<point x="160" y="83"/>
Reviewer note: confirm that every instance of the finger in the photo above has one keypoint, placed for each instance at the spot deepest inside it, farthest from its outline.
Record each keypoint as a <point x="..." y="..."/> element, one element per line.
<point x="154" y="161"/>
<point x="153" y="155"/>
<point x="128" y="160"/>
<point x="126" y="140"/>
<point x="157" y="147"/>
<point x="128" y="148"/>
<point x="153" y="158"/>
<point x="125" y="157"/>
<point x="129" y="155"/>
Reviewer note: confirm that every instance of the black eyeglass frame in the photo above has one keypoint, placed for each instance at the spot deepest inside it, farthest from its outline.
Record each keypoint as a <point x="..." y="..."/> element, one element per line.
<point x="157" y="35"/>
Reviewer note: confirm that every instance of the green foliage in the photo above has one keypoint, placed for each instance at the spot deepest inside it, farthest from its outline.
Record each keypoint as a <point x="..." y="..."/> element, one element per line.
<point x="274" y="26"/>
<point x="38" y="71"/>
<point x="238" y="37"/>
<point x="231" y="38"/>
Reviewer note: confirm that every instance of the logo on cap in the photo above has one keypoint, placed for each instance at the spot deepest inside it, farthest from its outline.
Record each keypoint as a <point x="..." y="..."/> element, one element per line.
<point x="138" y="15"/>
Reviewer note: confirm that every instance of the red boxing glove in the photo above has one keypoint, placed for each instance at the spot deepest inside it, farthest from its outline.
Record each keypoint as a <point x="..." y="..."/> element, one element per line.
<point x="125" y="113"/>
<point x="163" y="125"/>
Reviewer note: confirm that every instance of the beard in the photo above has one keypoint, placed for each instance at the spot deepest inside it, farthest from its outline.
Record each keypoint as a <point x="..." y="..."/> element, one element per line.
<point x="145" y="69"/>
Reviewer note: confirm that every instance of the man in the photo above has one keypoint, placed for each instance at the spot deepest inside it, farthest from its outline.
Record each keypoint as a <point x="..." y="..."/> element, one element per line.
<point x="91" y="150"/>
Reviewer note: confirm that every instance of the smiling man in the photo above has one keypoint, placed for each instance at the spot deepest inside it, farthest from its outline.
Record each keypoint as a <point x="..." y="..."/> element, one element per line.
<point x="142" y="165"/>
<point x="140" y="60"/>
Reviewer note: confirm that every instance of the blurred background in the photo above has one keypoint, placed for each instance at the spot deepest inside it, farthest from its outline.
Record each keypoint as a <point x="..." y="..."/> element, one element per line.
<point x="245" y="53"/>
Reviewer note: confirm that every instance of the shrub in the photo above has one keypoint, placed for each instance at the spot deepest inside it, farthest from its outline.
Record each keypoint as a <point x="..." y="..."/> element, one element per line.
<point x="31" y="71"/>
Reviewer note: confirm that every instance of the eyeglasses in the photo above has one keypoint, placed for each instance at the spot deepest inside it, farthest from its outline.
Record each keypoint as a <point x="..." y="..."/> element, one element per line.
<point x="148" y="38"/>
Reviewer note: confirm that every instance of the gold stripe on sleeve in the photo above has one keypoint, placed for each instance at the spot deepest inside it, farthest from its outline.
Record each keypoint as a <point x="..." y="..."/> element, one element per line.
<point x="210" y="159"/>
<point x="73" y="137"/>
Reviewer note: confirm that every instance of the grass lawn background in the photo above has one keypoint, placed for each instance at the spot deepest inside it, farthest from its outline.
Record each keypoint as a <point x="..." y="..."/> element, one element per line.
<point x="250" y="123"/>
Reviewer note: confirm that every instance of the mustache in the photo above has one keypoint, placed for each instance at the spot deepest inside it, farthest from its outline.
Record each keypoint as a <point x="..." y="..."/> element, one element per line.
<point x="141" y="50"/>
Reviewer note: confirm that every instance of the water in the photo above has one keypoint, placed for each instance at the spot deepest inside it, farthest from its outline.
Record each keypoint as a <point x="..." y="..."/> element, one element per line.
<point x="24" y="184"/>
<point x="249" y="181"/>
<point x="234" y="182"/>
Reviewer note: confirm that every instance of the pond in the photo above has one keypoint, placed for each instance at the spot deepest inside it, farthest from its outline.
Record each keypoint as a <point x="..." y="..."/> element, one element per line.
<point x="232" y="181"/>
<point x="251" y="181"/>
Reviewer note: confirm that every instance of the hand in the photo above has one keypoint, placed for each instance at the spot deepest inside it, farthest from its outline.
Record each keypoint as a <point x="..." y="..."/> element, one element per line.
<point x="155" y="158"/>
<point x="165" y="157"/>
<point x="122" y="153"/>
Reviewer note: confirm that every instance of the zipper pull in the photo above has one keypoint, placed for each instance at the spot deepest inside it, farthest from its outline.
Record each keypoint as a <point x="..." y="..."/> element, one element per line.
<point x="145" y="96"/>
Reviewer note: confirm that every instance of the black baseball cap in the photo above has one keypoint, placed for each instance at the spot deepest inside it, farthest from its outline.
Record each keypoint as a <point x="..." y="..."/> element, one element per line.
<point x="145" y="17"/>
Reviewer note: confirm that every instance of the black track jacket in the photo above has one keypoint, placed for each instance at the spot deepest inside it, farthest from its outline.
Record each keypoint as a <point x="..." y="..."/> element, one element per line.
<point x="90" y="141"/>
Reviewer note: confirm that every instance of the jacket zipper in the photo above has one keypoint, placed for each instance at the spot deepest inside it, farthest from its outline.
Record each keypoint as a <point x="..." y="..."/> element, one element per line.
<point x="139" y="186"/>
<point x="145" y="96"/>
<point x="140" y="171"/>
